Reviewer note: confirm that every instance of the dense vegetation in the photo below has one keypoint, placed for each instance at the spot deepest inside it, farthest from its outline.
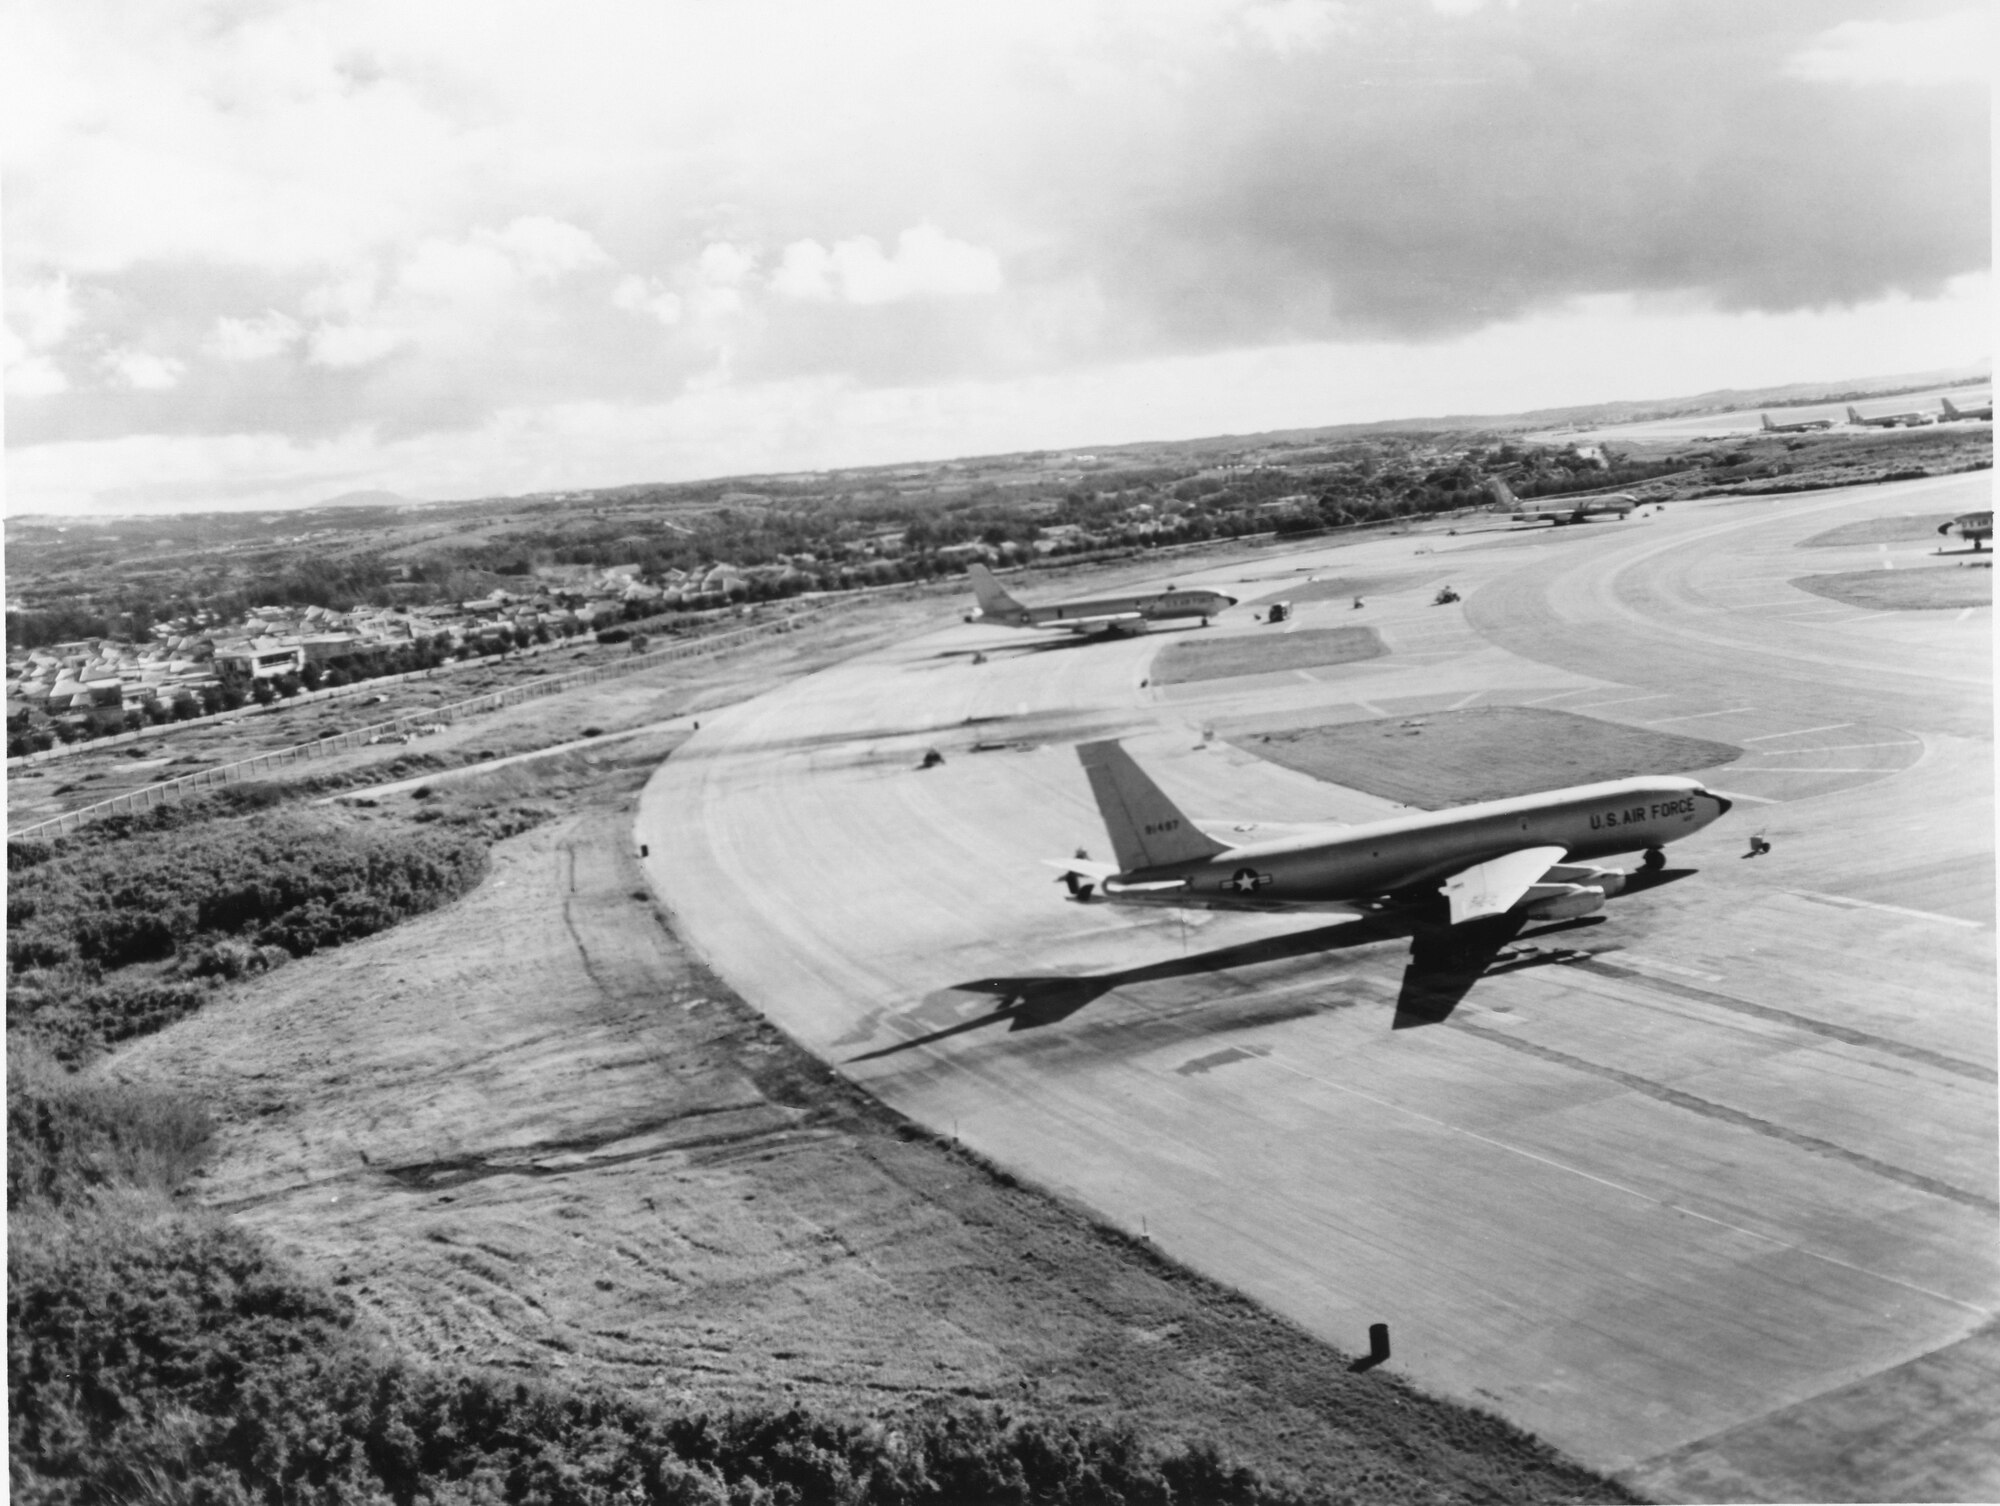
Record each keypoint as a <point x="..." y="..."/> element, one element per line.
<point x="159" y="1353"/>
<point x="127" y="926"/>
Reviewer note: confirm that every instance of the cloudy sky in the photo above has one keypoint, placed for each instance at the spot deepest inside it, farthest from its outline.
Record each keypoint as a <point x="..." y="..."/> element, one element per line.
<point x="262" y="252"/>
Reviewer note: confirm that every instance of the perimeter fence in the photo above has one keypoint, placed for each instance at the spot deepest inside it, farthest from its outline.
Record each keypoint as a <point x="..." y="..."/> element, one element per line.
<point x="147" y="797"/>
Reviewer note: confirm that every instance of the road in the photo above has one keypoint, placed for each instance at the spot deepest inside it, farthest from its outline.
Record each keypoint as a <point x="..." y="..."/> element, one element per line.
<point x="1704" y="1194"/>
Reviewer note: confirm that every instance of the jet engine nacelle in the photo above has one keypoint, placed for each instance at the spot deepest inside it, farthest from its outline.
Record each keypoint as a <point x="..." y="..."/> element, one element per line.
<point x="1561" y="901"/>
<point x="1609" y="881"/>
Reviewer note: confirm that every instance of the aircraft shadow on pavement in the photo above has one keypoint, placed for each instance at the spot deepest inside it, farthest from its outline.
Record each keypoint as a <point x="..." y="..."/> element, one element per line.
<point x="1444" y="964"/>
<point x="1053" y="641"/>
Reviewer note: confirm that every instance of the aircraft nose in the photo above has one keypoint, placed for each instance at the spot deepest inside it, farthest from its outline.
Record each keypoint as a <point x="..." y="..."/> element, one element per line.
<point x="1722" y="803"/>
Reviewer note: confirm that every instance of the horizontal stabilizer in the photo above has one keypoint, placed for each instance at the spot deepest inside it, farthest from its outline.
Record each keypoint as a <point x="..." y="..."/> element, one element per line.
<point x="1496" y="886"/>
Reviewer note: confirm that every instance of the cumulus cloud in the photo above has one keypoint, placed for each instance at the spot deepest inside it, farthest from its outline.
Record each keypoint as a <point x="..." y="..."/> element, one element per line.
<point x="543" y="247"/>
<point x="647" y="295"/>
<point x="1924" y="50"/>
<point x="352" y="344"/>
<point x="256" y="339"/>
<point x="40" y="316"/>
<point x="926" y="263"/>
<point x="42" y="313"/>
<point x="1294" y="26"/>
<point x="30" y="375"/>
<point x="315" y="218"/>
<point x="144" y="369"/>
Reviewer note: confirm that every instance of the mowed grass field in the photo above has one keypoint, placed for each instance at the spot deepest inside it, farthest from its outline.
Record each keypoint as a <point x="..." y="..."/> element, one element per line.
<point x="1899" y="529"/>
<point x="1347" y="587"/>
<point x="1225" y="658"/>
<point x="1927" y="589"/>
<point x="1448" y="758"/>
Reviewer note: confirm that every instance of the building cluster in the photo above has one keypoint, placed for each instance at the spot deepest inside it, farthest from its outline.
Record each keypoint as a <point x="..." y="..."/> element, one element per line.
<point x="81" y="680"/>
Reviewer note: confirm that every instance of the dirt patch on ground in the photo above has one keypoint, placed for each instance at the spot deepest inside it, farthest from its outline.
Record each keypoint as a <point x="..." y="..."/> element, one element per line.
<point x="529" y="1132"/>
<point x="1447" y="758"/>
<point x="1927" y="588"/>
<point x="1225" y="658"/>
<point x="1899" y="529"/>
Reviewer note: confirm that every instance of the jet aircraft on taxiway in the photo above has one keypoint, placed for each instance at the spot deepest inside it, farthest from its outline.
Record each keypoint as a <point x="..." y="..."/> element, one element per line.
<point x="1113" y="614"/>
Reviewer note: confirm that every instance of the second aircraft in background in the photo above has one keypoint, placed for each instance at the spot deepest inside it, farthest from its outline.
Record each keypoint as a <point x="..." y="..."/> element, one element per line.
<point x="1109" y="614"/>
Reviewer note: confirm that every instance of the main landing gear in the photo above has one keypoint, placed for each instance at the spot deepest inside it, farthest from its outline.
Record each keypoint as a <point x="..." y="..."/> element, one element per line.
<point x="1654" y="860"/>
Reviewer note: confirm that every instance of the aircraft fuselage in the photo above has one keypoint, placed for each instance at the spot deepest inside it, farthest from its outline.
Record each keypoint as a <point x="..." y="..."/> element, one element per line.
<point x="1576" y="513"/>
<point x="1116" y="612"/>
<point x="1586" y="821"/>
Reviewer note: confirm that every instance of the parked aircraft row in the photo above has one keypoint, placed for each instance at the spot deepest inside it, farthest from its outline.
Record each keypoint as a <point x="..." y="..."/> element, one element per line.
<point x="1909" y="419"/>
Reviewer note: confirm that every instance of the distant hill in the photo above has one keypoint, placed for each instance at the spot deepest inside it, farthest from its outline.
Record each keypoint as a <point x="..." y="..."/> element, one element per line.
<point x="369" y="499"/>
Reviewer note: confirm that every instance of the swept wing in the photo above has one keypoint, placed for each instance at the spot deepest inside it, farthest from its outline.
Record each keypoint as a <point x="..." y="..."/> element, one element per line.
<point x="1497" y="885"/>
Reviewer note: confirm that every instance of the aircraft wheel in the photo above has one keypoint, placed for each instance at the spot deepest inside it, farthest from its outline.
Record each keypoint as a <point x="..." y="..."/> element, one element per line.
<point x="1654" y="860"/>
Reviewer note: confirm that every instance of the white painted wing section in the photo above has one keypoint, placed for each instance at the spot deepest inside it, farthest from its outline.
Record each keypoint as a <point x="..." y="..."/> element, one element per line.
<point x="1493" y="888"/>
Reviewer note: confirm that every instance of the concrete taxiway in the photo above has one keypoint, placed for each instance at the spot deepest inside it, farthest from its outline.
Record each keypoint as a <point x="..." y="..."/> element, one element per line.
<point x="1704" y="1192"/>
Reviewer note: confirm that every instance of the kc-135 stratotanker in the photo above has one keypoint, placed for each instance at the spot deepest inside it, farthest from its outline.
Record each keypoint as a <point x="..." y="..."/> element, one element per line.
<point x="1111" y="614"/>
<point x="1531" y="856"/>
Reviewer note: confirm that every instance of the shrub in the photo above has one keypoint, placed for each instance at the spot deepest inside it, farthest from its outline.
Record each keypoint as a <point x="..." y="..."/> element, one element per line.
<point x="69" y="1136"/>
<point x="91" y="925"/>
<point x="173" y="1351"/>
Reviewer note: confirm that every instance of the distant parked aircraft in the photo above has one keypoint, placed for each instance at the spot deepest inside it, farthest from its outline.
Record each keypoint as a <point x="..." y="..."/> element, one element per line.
<point x="1950" y="413"/>
<point x="1974" y="527"/>
<point x="1529" y="856"/>
<point x="1559" y="511"/>
<point x="1114" y="614"/>
<point x="1909" y="420"/>
<point x="1800" y="426"/>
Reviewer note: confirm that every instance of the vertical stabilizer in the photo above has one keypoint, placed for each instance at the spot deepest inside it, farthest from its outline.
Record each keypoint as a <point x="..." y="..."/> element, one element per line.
<point x="1768" y="425"/>
<point x="1501" y="493"/>
<point x="1853" y="417"/>
<point x="1949" y="411"/>
<point x="1147" y="829"/>
<point x="994" y="603"/>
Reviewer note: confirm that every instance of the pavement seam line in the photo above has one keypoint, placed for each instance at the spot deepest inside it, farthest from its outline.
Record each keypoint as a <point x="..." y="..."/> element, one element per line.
<point x="1646" y="1197"/>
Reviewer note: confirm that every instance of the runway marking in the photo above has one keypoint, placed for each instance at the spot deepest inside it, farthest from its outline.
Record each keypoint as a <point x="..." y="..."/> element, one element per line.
<point x="1369" y="706"/>
<point x="1591" y="1176"/>
<point x="1967" y="612"/>
<point x="1559" y="694"/>
<point x="1665" y="695"/>
<point x="1754" y="799"/>
<point x="1802" y="732"/>
<point x="1846" y="1035"/>
<point x="1801" y="768"/>
<point x="1848" y="902"/>
<point x="1709" y="1109"/>
<point x="1695" y="716"/>
<point x="1465" y="700"/>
